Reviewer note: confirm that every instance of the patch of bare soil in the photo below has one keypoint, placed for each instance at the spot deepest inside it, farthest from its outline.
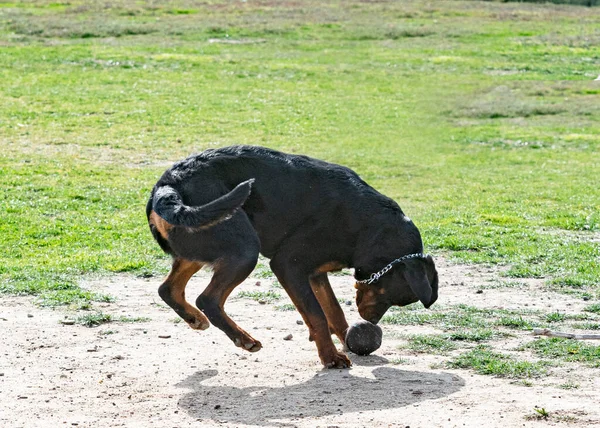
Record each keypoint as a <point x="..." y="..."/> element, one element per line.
<point x="162" y="373"/>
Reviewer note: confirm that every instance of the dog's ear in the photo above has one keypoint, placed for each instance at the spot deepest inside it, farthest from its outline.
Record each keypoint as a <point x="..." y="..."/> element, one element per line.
<point x="422" y="278"/>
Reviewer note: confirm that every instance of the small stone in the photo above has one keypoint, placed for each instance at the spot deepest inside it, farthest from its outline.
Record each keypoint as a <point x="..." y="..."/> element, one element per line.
<point x="217" y="407"/>
<point x="164" y="336"/>
<point x="67" y="322"/>
<point x="288" y="337"/>
<point x="299" y="322"/>
<point x="586" y="298"/>
<point x="348" y="302"/>
<point x="479" y="292"/>
<point x="257" y="283"/>
<point x="262" y="302"/>
<point x="29" y="315"/>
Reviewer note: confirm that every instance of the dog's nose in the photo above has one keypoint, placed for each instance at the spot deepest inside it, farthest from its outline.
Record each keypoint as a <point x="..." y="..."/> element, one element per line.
<point x="374" y="319"/>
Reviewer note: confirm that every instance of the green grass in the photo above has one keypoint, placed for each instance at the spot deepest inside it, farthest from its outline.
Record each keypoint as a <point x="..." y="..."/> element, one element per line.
<point x="587" y="326"/>
<point x="287" y="307"/>
<point x="466" y="320"/>
<point x="516" y="322"/>
<point x="126" y="319"/>
<point x="595" y="308"/>
<point x="569" y="385"/>
<point x="555" y="317"/>
<point x="484" y="129"/>
<point x="262" y="271"/>
<point x="76" y="297"/>
<point x="570" y="2"/>
<point x="566" y="350"/>
<point x="97" y="318"/>
<point x="94" y="319"/>
<point x="485" y="361"/>
<point x="541" y="413"/>
<point x="478" y="335"/>
<point x="461" y="326"/>
<point x="431" y="344"/>
<point x="260" y="296"/>
<point x="444" y="343"/>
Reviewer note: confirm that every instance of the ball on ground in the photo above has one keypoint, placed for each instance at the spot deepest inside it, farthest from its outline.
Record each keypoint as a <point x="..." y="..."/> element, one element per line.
<point x="363" y="337"/>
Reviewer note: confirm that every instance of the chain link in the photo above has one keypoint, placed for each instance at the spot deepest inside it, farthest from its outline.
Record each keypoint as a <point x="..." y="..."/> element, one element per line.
<point x="375" y="276"/>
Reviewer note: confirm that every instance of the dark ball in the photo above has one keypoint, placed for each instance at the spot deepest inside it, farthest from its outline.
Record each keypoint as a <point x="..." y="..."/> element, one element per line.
<point x="364" y="337"/>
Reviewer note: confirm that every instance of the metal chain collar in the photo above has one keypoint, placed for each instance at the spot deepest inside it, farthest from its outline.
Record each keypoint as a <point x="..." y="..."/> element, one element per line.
<point x="375" y="276"/>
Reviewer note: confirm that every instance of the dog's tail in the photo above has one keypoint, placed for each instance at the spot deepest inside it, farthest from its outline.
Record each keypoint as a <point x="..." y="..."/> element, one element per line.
<point x="167" y="203"/>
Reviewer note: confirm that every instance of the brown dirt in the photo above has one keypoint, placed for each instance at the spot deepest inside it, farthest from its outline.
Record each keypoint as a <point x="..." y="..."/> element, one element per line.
<point x="161" y="373"/>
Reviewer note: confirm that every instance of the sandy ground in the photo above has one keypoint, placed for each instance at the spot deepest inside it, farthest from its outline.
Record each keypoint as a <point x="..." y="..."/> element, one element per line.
<point x="161" y="373"/>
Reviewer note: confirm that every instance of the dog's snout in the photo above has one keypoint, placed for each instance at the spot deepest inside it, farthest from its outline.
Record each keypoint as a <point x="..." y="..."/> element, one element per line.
<point x="374" y="319"/>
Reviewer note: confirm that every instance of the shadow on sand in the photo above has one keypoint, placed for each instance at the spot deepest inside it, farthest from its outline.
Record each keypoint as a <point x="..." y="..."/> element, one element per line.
<point x="329" y="392"/>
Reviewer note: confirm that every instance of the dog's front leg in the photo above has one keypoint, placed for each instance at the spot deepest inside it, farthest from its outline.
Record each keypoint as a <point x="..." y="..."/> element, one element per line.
<point x="330" y="305"/>
<point x="297" y="286"/>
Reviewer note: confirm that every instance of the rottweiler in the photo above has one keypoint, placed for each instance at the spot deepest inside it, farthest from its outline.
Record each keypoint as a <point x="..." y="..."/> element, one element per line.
<point x="223" y="207"/>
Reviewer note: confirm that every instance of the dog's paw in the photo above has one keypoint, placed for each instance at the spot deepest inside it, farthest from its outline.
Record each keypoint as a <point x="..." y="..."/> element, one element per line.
<point x="248" y="343"/>
<point x="197" y="320"/>
<point x="337" y="361"/>
<point x="199" y="324"/>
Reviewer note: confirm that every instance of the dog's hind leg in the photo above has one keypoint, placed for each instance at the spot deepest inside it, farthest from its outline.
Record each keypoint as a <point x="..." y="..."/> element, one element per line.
<point x="172" y="291"/>
<point x="333" y="311"/>
<point x="230" y="271"/>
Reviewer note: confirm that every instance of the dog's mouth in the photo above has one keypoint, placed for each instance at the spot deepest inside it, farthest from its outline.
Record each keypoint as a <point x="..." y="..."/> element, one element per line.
<point x="372" y="313"/>
<point x="374" y="319"/>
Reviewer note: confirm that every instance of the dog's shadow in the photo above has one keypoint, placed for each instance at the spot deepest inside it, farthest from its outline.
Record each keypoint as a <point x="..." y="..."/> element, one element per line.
<point x="330" y="392"/>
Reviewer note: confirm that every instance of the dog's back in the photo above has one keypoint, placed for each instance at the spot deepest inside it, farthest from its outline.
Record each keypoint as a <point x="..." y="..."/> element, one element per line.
<point x="288" y="192"/>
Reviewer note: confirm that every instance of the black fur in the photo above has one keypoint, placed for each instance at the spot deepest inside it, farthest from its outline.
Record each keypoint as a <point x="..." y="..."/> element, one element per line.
<point x="227" y="204"/>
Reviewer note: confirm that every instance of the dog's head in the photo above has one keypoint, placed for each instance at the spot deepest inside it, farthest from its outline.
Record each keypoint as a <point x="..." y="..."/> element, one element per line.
<point x="408" y="282"/>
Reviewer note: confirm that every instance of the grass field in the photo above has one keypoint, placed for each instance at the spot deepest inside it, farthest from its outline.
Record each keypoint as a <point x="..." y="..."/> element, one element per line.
<point x="482" y="119"/>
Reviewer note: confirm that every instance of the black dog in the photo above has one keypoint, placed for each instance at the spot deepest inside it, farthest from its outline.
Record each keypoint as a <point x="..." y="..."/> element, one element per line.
<point x="224" y="206"/>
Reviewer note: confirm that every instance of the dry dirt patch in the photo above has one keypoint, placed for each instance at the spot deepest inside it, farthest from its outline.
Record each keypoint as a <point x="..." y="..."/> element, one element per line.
<point x="161" y="373"/>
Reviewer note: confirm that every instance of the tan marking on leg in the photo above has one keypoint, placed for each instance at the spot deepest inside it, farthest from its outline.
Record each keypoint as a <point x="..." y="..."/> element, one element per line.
<point x="161" y="225"/>
<point x="330" y="305"/>
<point x="319" y="331"/>
<point x="218" y="290"/>
<point x="330" y="267"/>
<point x="180" y="274"/>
